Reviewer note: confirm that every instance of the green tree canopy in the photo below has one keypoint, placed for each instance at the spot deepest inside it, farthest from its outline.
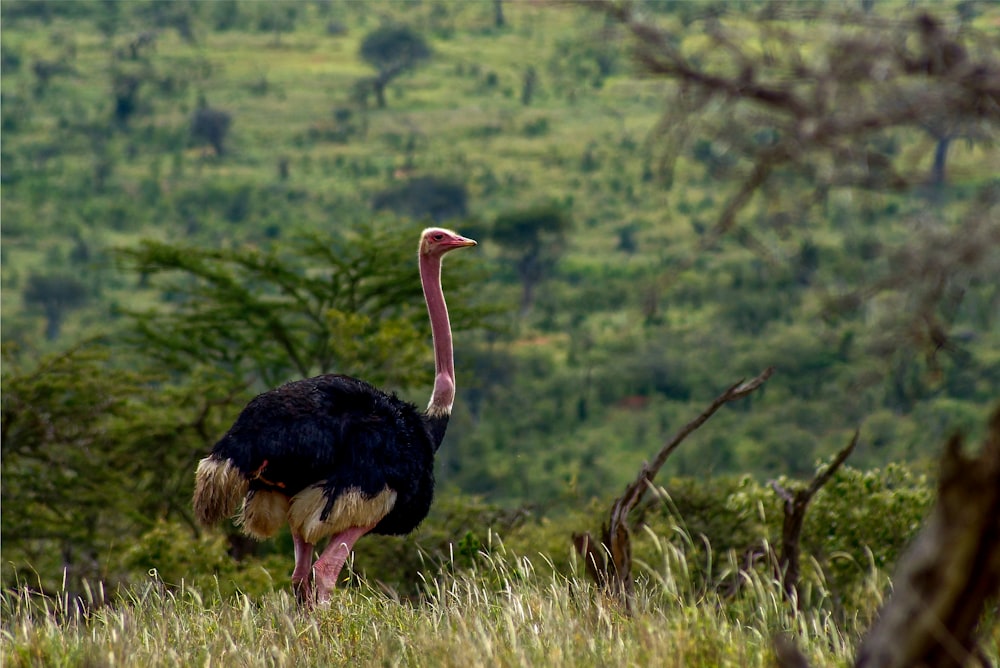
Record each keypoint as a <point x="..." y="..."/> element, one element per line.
<point x="534" y="238"/>
<point x="425" y="196"/>
<point x="392" y="50"/>
<point x="93" y="453"/>
<point x="54" y="294"/>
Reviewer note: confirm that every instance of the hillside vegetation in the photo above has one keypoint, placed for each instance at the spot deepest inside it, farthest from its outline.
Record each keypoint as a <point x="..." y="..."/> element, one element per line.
<point x="203" y="200"/>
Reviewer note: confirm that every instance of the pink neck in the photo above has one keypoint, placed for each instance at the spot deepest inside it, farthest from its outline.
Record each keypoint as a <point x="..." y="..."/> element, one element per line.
<point x="444" y="362"/>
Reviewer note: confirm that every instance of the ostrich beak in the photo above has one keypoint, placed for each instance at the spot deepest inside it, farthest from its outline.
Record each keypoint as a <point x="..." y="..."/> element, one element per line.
<point x="462" y="242"/>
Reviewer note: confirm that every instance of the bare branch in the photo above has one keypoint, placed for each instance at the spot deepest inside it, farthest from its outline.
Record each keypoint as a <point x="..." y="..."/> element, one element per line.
<point x="633" y="493"/>
<point x="782" y="493"/>
<point x="610" y="564"/>
<point x="810" y="116"/>
<point x="827" y="473"/>
<point x="594" y="561"/>
<point x="794" y="509"/>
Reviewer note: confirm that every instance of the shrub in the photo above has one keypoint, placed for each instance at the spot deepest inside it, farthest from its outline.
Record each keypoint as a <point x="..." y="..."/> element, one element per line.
<point x="426" y="196"/>
<point x="172" y="556"/>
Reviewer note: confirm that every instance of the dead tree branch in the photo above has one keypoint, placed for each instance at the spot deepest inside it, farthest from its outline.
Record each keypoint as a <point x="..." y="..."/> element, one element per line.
<point x="610" y="563"/>
<point x="795" y="504"/>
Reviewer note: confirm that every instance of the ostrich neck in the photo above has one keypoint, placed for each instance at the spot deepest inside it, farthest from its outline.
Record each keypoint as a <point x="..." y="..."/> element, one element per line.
<point x="443" y="395"/>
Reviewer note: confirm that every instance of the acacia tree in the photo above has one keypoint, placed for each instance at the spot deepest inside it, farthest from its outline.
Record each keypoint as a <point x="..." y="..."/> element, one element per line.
<point x="211" y="125"/>
<point x="51" y="499"/>
<point x="944" y="134"/>
<point x="392" y="50"/>
<point x="534" y="238"/>
<point x="348" y="303"/>
<point x="432" y="197"/>
<point x="55" y="295"/>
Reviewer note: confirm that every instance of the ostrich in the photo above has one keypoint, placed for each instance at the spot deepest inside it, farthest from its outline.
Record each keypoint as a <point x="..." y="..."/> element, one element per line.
<point x="333" y="455"/>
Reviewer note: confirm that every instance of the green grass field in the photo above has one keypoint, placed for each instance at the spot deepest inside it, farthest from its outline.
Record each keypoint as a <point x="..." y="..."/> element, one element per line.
<point x="503" y="614"/>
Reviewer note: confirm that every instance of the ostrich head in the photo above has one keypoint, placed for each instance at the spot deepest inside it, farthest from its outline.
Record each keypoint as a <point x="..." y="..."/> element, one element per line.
<point x="436" y="241"/>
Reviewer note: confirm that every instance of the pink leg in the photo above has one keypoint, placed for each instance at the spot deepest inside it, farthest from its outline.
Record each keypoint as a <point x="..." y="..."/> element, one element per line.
<point x="302" y="575"/>
<point x="328" y="566"/>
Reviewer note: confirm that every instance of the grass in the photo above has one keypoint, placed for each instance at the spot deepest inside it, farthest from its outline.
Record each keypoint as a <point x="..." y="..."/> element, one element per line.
<point x="505" y="612"/>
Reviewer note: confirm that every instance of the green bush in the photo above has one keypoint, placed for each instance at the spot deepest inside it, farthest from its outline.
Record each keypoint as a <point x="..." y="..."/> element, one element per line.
<point x="862" y="519"/>
<point x="169" y="554"/>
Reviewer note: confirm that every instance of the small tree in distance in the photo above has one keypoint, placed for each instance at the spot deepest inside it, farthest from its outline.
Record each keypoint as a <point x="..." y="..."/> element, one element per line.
<point x="534" y="238"/>
<point x="392" y="50"/>
<point x="55" y="295"/>
<point x="437" y="197"/>
<point x="211" y="125"/>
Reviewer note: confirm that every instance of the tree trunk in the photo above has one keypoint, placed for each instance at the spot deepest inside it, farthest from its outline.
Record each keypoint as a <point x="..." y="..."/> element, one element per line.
<point x="527" y="295"/>
<point x="795" y="506"/>
<point x="530" y="271"/>
<point x="948" y="576"/>
<point x="791" y="533"/>
<point x="937" y="178"/>
<point x="53" y="323"/>
<point x="378" y="86"/>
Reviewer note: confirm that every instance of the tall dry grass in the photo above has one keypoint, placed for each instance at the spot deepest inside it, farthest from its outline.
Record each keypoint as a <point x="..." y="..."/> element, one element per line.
<point x="503" y="612"/>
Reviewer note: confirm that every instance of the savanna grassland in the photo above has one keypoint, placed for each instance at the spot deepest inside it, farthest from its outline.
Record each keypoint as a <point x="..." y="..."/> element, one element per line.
<point x="504" y="613"/>
<point x="201" y="200"/>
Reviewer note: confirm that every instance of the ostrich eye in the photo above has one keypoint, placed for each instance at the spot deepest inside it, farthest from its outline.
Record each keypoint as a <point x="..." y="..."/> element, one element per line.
<point x="438" y="237"/>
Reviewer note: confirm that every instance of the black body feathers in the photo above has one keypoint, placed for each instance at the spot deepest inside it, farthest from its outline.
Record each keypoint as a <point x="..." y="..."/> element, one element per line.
<point x="343" y="432"/>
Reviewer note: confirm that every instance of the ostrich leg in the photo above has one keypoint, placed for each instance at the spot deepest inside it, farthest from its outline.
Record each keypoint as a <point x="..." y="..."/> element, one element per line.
<point x="328" y="566"/>
<point x="302" y="574"/>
